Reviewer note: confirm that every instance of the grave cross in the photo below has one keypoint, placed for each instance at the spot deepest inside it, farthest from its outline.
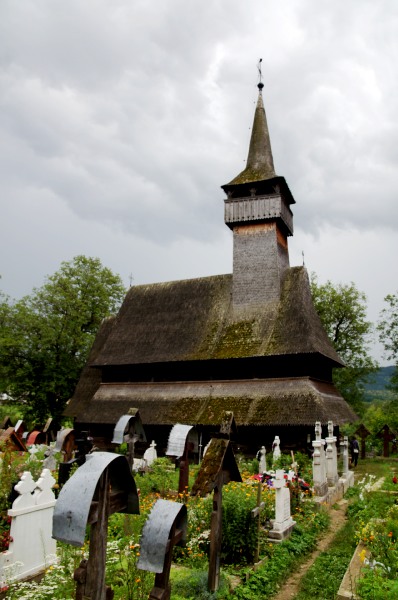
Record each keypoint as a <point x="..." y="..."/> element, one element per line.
<point x="162" y="589"/>
<point x="129" y="428"/>
<point x="363" y="433"/>
<point x="165" y="527"/>
<point x="387" y="436"/>
<point x="256" y="515"/>
<point x="218" y="468"/>
<point x="102" y="486"/>
<point x="182" y="440"/>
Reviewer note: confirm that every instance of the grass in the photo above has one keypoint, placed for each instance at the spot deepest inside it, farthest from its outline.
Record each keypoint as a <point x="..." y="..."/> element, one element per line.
<point x="314" y="585"/>
<point x="334" y="562"/>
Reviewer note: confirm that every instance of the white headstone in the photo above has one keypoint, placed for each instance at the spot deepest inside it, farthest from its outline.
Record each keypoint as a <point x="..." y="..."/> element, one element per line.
<point x="319" y="462"/>
<point x="150" y="454"/>
<point x="283" y="523"/>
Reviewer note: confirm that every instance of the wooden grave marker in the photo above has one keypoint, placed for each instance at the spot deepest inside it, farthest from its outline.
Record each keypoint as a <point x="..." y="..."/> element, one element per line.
<point x="102" y="486"/>
<point x="165" y="528"/>
<point x="183" y="439"/>
<point x="256" y="513"/>
<point x="129" y="429"/>
<point x="217" y="469"/>
<point x="362" y="433"/>
<point x="387" y="435"/>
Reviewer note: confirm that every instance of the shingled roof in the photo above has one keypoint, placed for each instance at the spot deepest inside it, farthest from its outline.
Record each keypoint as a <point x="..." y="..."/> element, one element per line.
<point x="194" y="320"/>
<point x="289" y="401"/>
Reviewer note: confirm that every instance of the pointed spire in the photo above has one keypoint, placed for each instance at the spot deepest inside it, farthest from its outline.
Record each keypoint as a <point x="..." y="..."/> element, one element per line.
<point x="260" y="164"/>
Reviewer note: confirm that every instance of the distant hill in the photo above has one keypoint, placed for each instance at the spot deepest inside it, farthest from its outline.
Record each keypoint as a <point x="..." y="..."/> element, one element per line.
<point x="381" y="378"/>
<point x="377" y="388"/>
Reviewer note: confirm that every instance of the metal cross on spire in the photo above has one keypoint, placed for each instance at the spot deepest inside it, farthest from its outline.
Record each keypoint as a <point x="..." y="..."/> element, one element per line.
<point x="260" y="84"/>
<point x="259" y="70"/>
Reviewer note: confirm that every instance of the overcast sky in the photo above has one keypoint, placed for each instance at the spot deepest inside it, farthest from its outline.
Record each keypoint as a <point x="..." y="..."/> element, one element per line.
<point x="120" y="120"/>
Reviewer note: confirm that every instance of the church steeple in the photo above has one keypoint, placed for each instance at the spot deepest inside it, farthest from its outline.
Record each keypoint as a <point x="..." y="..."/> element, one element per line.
<point x="257" y="209"/>
<point x="260" y="163"/>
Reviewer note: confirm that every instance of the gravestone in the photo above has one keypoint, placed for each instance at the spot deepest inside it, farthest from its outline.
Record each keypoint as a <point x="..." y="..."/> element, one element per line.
<point x="347" y="476"/>
<point x="331" y="457"/>
<point x="31" y="545"/>
<point x="318" y="462"/>
<point x="150" y="455"/>
<point x="283" y="523"/>
<point x="50" y="462"/>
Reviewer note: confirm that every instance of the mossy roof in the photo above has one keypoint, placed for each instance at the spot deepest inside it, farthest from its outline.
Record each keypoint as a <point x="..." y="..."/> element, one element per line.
<point x="265" y="402"/>
<point x="193" y="320"/>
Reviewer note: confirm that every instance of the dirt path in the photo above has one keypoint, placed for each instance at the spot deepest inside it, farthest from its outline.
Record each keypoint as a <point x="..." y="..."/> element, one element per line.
<point x="338" y="517"/>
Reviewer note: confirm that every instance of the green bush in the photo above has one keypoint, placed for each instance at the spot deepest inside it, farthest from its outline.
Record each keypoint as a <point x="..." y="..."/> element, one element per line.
<point x="193" y="585"/>
<point x="239" y="528"/>
<point x="161" y="478"/>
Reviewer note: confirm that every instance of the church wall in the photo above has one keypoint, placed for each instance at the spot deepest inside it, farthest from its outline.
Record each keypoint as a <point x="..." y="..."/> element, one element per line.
<point x="259" y="262"/>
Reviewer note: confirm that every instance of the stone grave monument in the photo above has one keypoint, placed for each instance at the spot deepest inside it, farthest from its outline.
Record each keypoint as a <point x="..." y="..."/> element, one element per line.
<point x="331" y="457"/>
<point x="318" y="462"/>
<point x="283" y="523"/>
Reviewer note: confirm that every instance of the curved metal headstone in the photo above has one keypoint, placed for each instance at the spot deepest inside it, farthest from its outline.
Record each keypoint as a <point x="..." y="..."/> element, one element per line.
<point x="72" y="509"/>
<point x="177" y="439"/>
<point x="124" y="423"/>
<point x="156" y="533"/>
<point x="61" y="438"/>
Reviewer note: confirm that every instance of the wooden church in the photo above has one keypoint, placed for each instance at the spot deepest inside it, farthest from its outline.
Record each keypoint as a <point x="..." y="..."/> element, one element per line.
<point x="248" y="342"/>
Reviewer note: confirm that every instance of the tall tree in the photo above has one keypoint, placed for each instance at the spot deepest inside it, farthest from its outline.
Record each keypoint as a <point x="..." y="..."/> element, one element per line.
<point x="342" y="310"/>
<point x="388" y="333"/>
<point x="45" y="337"/>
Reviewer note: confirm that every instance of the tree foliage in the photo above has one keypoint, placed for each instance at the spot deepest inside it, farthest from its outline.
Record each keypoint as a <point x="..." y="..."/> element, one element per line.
<point x="342" y="310"/>
<point x="388" y="333"/>
<point x="45" y="337"/>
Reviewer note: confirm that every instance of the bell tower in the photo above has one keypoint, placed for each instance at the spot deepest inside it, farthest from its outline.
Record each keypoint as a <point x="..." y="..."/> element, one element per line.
<point x="257" y="209"/>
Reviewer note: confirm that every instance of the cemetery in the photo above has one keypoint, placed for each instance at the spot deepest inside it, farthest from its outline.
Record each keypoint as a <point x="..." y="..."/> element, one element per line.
<point x="124" y="527"/>
<point x="206" y="452"/>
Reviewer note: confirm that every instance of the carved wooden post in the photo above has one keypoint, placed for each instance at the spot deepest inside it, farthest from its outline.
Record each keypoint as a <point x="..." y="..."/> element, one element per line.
<point x="95" y="581"/>
<point x="162" y="588"/>
<point x="215" y="539"/>
<point x="256" y="515"/>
